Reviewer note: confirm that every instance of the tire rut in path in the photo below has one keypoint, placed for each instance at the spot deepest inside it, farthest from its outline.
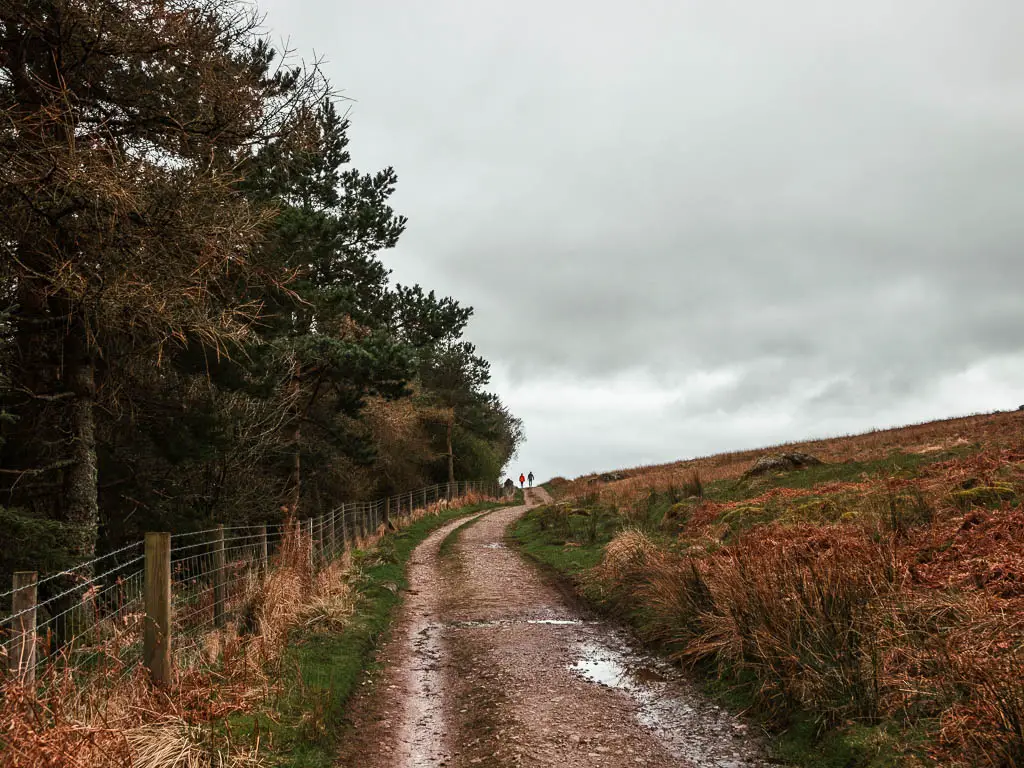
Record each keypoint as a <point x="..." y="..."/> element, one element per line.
<point x="488" y="666"/>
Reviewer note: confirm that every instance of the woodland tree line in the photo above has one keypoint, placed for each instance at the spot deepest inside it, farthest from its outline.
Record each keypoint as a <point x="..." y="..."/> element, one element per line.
<point x="195" y="323"/>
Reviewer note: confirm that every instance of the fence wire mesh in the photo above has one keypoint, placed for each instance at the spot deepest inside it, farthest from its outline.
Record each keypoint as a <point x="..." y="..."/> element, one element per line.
<point x="89" y="620"/>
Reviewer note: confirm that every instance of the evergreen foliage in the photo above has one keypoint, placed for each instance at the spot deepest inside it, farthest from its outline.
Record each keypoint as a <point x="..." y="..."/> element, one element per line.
<point x="196" y="325"/>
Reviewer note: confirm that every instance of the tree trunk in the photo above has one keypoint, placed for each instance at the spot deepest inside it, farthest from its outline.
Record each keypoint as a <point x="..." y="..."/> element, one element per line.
<point x="294" y="439"/>
<point x="81" y="491"/>
<point x="451" y="456"/>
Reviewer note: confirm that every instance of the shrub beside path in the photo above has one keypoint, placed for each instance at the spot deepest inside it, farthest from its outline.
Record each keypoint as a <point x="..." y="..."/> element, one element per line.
<point x="480" y="671"/>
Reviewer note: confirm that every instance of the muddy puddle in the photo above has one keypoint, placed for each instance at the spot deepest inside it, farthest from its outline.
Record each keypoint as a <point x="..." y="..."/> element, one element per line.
<point x="691" y="726"/>
<point x="513" y="622"/>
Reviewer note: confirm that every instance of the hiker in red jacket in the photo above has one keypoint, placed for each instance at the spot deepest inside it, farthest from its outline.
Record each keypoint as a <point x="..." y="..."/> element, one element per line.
<point x="522" y="479"/>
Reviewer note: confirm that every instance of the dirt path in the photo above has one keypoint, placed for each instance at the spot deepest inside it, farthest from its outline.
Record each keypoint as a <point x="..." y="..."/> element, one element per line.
<point x="490" y="665"/>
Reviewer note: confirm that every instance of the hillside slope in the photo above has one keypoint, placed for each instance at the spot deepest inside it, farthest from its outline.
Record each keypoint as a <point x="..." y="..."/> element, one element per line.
<point x="870" y="608"/>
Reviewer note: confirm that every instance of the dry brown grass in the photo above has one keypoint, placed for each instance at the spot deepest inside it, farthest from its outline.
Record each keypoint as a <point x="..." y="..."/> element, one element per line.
<point x="113" y="717"/>
<point x="173" y="743"/>
<point x="993" y="431"/>
<point x="905" y="603"/>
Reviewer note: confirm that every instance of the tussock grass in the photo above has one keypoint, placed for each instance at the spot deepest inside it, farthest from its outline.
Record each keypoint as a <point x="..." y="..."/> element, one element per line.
<point x="110" y="716"/>
<point x="173" y="743"/>
<point x="871" y="610"/>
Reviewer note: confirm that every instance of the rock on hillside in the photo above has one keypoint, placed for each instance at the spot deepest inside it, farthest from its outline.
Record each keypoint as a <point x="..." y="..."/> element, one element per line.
<point x="782" y="462"/>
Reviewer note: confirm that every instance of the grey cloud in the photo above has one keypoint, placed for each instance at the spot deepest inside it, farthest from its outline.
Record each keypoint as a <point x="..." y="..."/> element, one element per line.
<point x="799" y="191"/>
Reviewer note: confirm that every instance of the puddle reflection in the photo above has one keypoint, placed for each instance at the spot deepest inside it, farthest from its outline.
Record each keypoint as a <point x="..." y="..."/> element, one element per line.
<point x="689" y="724"/>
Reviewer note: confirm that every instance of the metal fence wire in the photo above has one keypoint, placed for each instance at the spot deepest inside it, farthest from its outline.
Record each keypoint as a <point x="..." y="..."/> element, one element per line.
<point x="90" y="619"/>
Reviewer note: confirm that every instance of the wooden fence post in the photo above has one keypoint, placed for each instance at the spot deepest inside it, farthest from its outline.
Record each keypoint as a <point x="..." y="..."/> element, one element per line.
<point x="220" y="578"/>
<point x="156" y="652"/>
<point x="22" y="661"/>
<point x="264" y="549"/>
<point x="309" y="539"/>
<point x="387" y="509"/>
<point x="332" y="535"/>
<point x="344" y="529"/>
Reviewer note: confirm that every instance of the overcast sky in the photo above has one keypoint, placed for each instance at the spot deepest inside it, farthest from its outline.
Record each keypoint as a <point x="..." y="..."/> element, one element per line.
<point x="697" y="226"/>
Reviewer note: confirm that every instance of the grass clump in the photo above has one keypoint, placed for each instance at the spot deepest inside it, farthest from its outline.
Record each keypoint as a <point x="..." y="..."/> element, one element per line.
<point x="984" y="496"/>
<point x="569" y="538"/>
<point x="868" y="611"/>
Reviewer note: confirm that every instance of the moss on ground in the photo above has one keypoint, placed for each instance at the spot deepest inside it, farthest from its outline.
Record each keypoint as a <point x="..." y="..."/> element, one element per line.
<point x="984" y="496"/>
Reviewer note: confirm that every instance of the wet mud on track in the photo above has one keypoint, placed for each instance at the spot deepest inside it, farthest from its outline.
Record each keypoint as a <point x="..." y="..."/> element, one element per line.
<point x="489" y="665"/>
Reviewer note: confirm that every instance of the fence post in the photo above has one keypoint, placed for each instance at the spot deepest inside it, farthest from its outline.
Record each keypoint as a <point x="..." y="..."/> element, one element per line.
<point x="264" y="550"/>
<point x="156" y="648"/>
<point x="387" y="510"/>
<point x="321" y="536"/>
<point x="332" y="535"/>
<point x="448" y="492"/>
<point x="219" y="578"/>
<point x="22" y="661"/>
<point x="344" y="529"/>
<point x="309" y="538"/>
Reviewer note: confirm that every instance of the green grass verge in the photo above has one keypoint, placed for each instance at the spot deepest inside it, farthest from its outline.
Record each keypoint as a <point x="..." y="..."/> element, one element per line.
<point x="552" y="544"/>
<point x="322" y="669"/>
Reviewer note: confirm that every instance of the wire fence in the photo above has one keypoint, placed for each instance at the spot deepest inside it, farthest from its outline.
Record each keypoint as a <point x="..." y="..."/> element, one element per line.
<point x="91" y="618"/>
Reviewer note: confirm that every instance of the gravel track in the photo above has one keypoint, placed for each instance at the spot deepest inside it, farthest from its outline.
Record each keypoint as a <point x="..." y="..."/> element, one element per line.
<point x="489" y="665"/>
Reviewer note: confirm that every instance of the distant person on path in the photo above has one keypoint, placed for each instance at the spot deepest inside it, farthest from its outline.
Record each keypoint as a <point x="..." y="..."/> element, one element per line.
<point x="521" y="479"/>
<point x="530" y="478"/>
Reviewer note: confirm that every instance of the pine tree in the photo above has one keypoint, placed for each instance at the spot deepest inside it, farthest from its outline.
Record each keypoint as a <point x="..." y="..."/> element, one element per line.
<point x="124" y="123"/>
<point x="329" y="329"/>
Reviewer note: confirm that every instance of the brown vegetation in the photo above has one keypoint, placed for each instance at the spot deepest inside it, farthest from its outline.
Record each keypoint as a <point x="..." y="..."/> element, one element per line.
<point x="886" y="599"/>
<point x="993" y="430"/>
<point x="112" y="716"/>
